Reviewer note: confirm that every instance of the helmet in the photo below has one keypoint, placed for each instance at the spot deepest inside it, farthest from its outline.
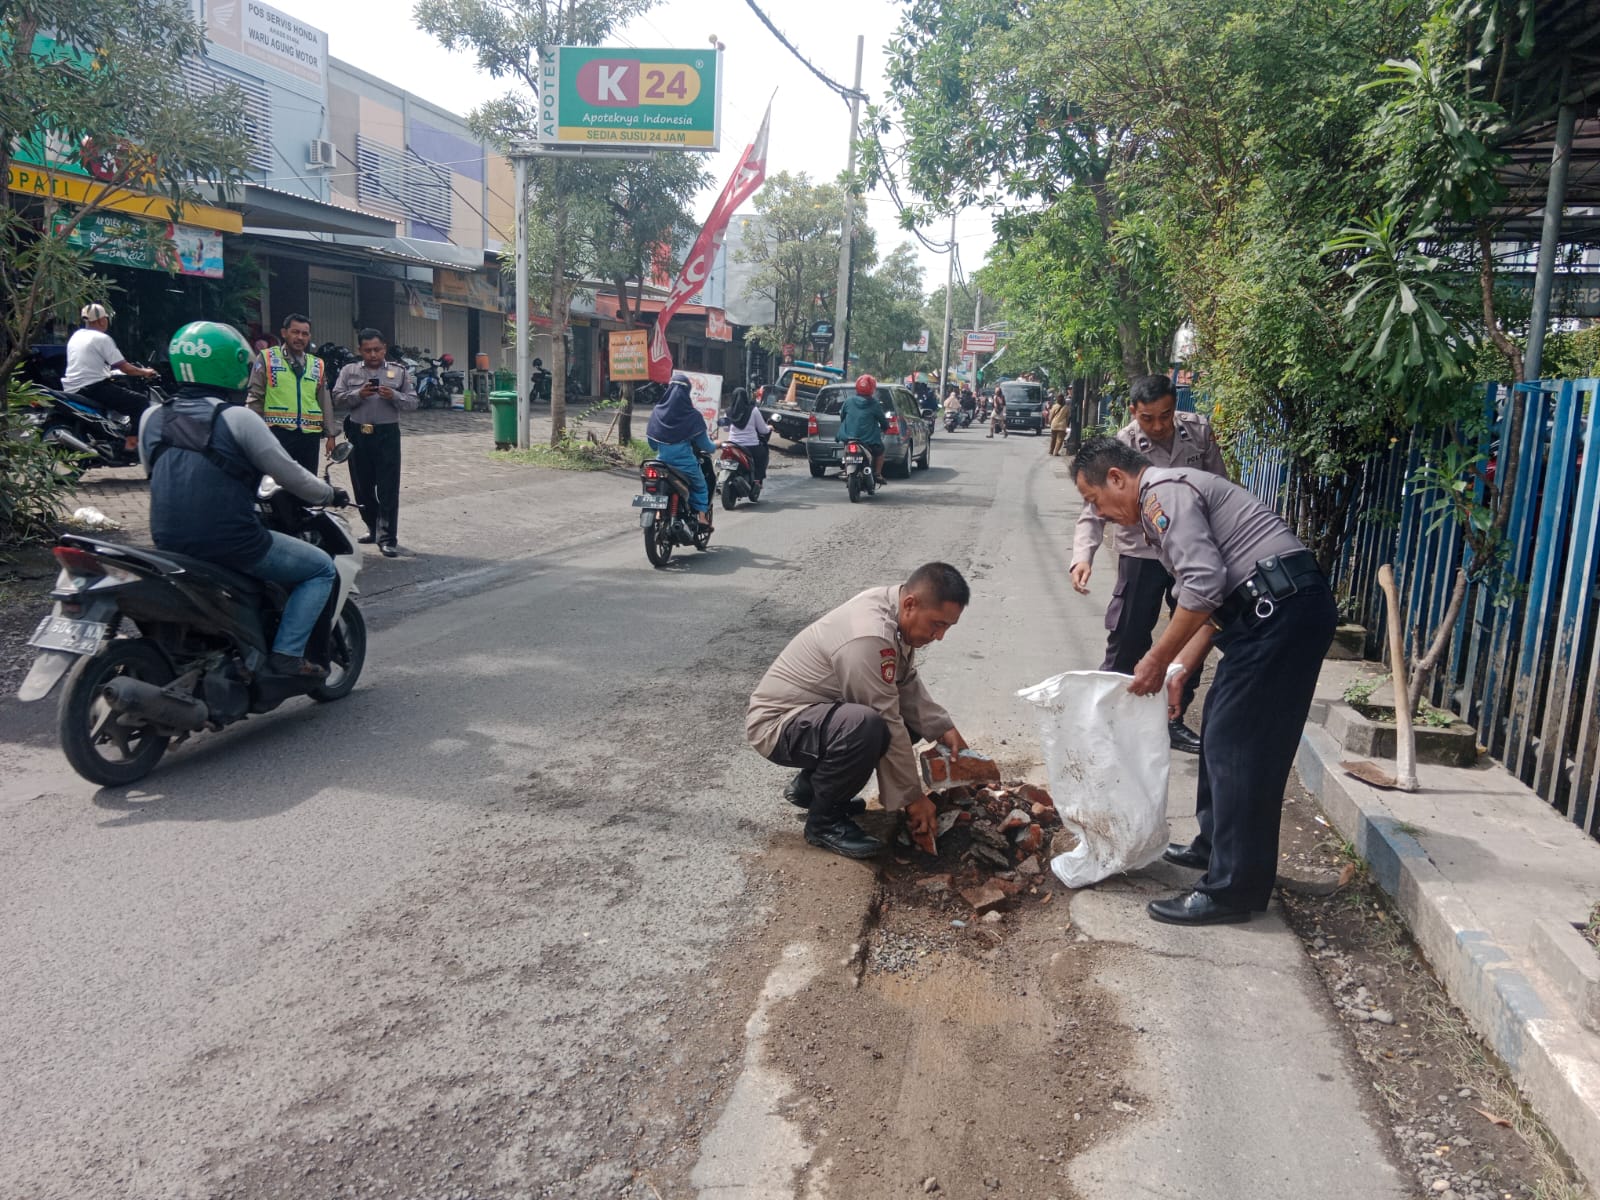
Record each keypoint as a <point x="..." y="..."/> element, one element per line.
<point x="207" y="353"/>
<point x="866" y="385"/>
<point x="95" y="312"/>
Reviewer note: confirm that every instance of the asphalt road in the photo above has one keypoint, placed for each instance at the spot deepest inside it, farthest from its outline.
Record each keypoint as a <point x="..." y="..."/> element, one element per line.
<point x="474" y="931"/>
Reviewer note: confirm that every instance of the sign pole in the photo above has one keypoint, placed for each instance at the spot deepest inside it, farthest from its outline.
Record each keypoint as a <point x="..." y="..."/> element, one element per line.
<point x="841" y="299"/>
<point x="524" y="317"/>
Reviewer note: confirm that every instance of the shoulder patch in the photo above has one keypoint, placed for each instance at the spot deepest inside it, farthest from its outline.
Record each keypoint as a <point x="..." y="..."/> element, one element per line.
<point x="1154" y="513"/>
<point x="886" y="669"/>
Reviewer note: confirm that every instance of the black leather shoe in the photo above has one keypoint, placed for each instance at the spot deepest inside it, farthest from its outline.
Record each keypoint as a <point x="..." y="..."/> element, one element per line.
<point x="843" y="836"/>
<point x="1182" y="737"/>
<point x="291" y="667"/>
<point x="367" y="539"/>
<point x="799" y="790"/>
<point x="1196" y="908"/>
<point x="390" y="550"/>
<point x="1180" y="855"/>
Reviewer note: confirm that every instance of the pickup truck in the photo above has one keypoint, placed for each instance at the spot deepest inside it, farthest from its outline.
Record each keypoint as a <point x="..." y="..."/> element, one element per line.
<point x="788" y="402"/>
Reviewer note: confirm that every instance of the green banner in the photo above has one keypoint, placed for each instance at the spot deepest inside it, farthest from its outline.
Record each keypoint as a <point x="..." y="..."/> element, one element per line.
<point x="634" y="99"/>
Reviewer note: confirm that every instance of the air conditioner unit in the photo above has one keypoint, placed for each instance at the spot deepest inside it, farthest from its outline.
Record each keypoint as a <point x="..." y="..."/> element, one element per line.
<point x="323" y="154"/>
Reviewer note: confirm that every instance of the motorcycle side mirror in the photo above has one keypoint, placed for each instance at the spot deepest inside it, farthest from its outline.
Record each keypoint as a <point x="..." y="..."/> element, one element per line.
<point x="340" y="453"/>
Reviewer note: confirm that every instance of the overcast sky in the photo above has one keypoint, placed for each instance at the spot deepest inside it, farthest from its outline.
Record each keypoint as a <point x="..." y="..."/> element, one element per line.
<point x="810" y="125"/>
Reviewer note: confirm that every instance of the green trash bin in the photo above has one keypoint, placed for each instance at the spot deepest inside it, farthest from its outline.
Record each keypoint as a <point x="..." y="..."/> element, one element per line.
<point x="504" y="405"/>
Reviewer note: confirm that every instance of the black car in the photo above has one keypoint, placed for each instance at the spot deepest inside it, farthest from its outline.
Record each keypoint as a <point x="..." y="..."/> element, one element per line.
<point x="1024" y="405"/>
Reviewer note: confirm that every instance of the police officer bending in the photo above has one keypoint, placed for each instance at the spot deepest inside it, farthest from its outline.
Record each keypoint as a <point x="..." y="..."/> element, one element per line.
<point x="844" y="700"/>
<point x="1168" y="438"/>
<point x="1246" y="580"/>
<point x="205" y="455"/>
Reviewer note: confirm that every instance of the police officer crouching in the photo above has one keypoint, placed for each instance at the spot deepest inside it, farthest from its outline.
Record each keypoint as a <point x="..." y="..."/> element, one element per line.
<point x="844" y="700"/>
<point x="1244" y="579"/>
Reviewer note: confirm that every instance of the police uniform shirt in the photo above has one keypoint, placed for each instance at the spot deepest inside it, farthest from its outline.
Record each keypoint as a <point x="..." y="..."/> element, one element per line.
<point x="854" y="654"/>
<point x="1193" y="444"/>
<point x="1209" y="533"/>
<point x="374" y="410"/>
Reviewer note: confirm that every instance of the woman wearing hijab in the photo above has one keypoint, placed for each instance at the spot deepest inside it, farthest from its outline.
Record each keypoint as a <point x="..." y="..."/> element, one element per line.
<point x="675" y="432"/>
<point x="749" y="430"/>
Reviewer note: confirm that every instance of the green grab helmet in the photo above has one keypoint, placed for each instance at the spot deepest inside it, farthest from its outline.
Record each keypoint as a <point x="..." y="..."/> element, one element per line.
<point x="211" y="354"/>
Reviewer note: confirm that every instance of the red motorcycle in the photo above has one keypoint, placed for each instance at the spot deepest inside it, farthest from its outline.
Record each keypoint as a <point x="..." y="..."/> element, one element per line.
<point x="736" y="476"/>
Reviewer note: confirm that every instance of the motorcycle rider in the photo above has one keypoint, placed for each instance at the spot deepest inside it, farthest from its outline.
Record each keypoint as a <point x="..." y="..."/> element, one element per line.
<point x="92" y="356"/>
<point x="749" y="430"/>
<point x="952" y="406"/>
<point x="969" y="405"/>
<point x="861" y="420"/>
<point x="997" y="420"/>
<point x="675" y="432"/>
<point x="205" y="455"/>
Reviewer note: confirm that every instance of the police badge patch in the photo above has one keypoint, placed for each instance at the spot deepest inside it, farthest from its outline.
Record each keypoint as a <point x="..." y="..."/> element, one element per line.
<point x="886" y="667"/>
<point x="1155" y="514"/>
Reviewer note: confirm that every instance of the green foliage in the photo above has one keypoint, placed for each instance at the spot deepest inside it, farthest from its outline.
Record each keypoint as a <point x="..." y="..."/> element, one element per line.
<point x="569" y="453"/>
<point x="77" y="74"/>
<point x="36" y="479"/>
<point x="1359" y="691"/>
<point x="886" y="312"/>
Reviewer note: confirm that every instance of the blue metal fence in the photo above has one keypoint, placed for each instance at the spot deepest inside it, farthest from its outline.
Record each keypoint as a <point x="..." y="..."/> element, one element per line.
<point x="1523" y="665"/>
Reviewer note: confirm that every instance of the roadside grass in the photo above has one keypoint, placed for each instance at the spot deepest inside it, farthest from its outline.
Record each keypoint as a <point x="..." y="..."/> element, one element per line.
<point x="573" y="454"/>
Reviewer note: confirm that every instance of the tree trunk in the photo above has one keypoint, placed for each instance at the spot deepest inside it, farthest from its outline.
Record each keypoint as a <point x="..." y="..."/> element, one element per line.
<point x="625" y="417"/>
<point x="1422" y="670"/>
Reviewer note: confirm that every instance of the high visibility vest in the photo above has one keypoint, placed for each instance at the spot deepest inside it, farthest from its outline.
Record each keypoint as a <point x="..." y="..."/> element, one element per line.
<point x="290" y="401"/>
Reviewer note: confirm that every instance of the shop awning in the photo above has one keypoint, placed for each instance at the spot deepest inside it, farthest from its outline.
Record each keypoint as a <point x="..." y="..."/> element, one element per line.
<point x="267" y="208"/>
<point x="79" y="189"/>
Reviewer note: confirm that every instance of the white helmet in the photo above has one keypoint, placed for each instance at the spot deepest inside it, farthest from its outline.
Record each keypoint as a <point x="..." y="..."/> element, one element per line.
<point x="95" y="312"/>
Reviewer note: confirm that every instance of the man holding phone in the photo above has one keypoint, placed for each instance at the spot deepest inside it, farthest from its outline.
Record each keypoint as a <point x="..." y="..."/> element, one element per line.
<point x="376" y="392"/>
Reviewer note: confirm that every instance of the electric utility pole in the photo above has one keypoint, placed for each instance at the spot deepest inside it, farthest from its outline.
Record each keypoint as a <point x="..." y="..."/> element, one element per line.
<point x="841" y="302"/>
<point x="949" y="284"/>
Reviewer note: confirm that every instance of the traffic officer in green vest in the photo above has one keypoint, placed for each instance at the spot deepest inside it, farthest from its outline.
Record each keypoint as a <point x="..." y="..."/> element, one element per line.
<point x="289" y="388"/>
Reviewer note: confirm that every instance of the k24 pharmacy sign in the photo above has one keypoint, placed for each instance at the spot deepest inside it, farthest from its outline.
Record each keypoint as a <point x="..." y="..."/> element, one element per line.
<point x="635" y="99"/>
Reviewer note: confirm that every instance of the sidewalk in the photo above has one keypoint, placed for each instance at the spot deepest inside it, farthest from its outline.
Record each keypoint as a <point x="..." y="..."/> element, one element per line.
<point x="1491" y="881"/>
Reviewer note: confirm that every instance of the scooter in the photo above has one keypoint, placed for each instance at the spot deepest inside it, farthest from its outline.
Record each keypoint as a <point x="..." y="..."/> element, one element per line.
<point x="335" y="358"/>
<point x="736" y="476"/>
<point x="431" y="389"/>
<point x="858" y="476"/>
<point x="952" y="421"/>
<point x="665" y="515"/>
<point x="157" y="646"/>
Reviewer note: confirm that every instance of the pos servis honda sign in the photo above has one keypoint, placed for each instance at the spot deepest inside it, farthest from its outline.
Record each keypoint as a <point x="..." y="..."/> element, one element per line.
<point x="634" y="99"/>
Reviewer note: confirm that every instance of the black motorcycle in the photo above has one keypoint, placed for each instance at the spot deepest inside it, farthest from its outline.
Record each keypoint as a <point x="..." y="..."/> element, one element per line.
<point x="952" y="421"/>
<point x="335" y="358"/>
<point x="858" y="476"/>
<point x="432" y="391"/>
<point x="96" y="436"/>
<point x="666" y="516"/>
<point x="156" y="646"/>
<point x="736" y="476"/>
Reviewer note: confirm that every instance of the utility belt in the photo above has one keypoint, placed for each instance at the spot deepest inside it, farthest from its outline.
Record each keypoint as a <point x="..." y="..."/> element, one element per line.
<point x="353" y="427"/>
<point x="1276" y="577"/>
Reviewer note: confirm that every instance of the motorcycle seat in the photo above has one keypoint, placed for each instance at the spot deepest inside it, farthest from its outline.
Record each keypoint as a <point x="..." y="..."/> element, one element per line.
<point x="169" y="563"/>
<point x="82" y="404"/>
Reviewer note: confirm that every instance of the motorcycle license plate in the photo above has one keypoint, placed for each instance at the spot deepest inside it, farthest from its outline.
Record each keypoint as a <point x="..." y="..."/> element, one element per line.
<point x="63" y="633"/>
<point x="854" y="460"/>
<point x="649" y="501"/>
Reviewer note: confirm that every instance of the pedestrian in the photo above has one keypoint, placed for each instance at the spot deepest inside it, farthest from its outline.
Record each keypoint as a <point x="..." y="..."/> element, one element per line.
<point x="1168" y="438"/>
<point x="844" y="699"/>
<point x="92" y="356"/>
<point x="1060" y="423"/>
<point x="1246" y="580"/>
<point x="289" y="388"/>
<point x="376" y="392"/>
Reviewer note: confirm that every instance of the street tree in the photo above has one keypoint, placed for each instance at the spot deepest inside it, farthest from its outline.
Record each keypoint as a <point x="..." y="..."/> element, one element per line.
<point x="81" y="91"/>
<point x="886" y="314"/>
<point x="588" y="219"/>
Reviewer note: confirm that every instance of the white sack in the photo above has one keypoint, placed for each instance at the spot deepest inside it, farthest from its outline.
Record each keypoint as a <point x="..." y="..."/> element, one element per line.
<point x="1106" y="752"/>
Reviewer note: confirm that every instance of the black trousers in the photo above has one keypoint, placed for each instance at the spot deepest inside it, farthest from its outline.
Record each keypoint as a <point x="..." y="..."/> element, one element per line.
<point x="1143" y="587"/>
<point x="760" y="456"/>
<point x="304" y="448"/>
<point x="375" y="476"/>
<point x="112" y="396"/>
<point x="1250" y="731"/>
<point x="840" y="745"/>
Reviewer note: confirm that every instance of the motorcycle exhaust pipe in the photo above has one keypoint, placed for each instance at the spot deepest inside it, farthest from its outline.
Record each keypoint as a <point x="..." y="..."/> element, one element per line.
<point x="70" y="440"/>
<point x="145" y="701"/>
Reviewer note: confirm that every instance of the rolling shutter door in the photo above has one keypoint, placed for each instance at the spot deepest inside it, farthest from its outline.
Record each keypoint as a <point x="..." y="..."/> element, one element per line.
<point x="333" y="312"/>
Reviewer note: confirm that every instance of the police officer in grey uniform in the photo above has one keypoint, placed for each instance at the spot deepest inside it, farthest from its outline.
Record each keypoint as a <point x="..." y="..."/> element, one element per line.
<point x="1168" y="438"/>
<point x="1244" y="579"/>
<point x="844" y="699"/>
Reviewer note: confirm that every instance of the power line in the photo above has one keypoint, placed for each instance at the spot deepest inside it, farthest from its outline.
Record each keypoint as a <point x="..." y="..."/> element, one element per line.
<point x="846" y="94"/>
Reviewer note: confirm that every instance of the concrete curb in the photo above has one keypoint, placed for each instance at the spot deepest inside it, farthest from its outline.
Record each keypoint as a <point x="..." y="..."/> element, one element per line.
<point x="1496" y="978"/>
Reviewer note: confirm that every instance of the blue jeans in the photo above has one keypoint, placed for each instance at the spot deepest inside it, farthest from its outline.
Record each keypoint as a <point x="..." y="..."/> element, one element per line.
<point x="680" y="457"/>
<point x="291" y="561"/>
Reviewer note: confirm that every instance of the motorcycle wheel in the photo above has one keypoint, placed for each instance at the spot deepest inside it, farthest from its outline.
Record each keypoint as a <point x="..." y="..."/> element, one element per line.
<point x="658" y="542"/>
<point x="97" y="748"/>
<point x="702" y="537"/>
<point x="729" y="496"/>
<point x="349" y="655"/>
<point x="854" y="484"/>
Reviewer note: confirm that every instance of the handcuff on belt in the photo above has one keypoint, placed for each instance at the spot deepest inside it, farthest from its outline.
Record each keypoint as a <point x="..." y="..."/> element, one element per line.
<point x="1276" y="577"/>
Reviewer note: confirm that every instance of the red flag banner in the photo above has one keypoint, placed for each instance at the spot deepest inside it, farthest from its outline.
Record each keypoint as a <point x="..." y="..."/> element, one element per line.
<point x="750" y="175"/>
